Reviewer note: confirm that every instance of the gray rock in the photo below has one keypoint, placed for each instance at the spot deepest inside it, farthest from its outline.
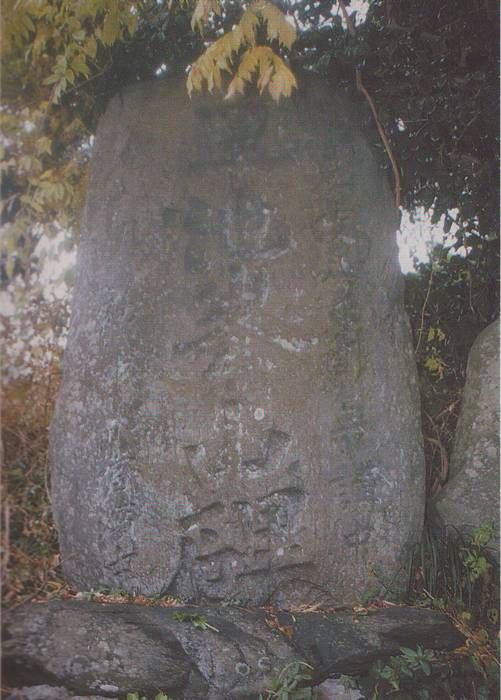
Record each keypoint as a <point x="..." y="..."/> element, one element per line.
<point x="114" y="649"/>
<point x="238" y="417"/>
<point x="471" y="496"/>
<point x="50" y="692"/>
<point x="333" y="689"/>
<point x="40" y="692"/>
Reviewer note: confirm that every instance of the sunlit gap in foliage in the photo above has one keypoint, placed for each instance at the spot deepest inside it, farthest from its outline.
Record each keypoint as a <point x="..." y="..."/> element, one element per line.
<point x="418" y="236"/>
<point x="358" y="7"/>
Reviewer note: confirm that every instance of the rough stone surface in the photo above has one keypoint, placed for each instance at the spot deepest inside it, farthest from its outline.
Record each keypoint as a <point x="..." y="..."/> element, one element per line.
<point x="50" y="692"/>
<point x="113" y="649"/>
<point x="471" y="496"/>
<point x="333" y="689"/>
<point x="238" y="417"/>
<point x="40" y="692"/>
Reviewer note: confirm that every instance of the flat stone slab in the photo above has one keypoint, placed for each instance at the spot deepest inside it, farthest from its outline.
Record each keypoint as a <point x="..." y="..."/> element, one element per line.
<point x="110" y="650"/>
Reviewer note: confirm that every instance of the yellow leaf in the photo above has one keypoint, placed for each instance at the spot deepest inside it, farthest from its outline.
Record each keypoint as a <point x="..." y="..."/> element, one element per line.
<point x="271" y="72"/>
<point x="111" y="28"/>
<point x="44" y="145"/>
<point x="282" y="81"/>
<point x="131" y="23"/>
<point x="202" y="11"/>
<point x="264" y="78"/>
<point x="53" y="78"/>
<point x="86" y="8"/>
<point x="250" y="62"/>
<point x="216" y="58"/>
<point x="80" y="66"/>
<point x="214" y="79"/>
<point x="90" y="47"/>
<point x="194" y="80"/>
<point x="9" y="266"/>
<point x="237" y="85"/>
<point x="258" y="61"/>
<point x="248" y="25"/>
<point x="25" y="163"/>
<point x="36" y="206"/>
<point x="278" y="26"/>
<point x="28" y="23"/>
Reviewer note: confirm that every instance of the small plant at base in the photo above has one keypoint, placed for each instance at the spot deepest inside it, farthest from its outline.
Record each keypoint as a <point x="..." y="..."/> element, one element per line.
<point x="395" y="676"/>
<point x="370" y="595"/>
<point x="419" y="659"/>
<point x="286" y="685"/>
<point x="471" y="554"/>
<point x="456" y="570"/>
<point x="198" y="621"/>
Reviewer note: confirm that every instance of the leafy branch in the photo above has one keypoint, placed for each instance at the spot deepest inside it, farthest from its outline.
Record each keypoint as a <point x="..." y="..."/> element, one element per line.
<point x="258" y="61"/>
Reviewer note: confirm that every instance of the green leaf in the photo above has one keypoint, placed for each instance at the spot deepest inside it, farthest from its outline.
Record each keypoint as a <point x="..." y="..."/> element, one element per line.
<point x="90" y="47"/>
<point x="80" y="66"/>
<point x="131" y="23"/>
<point x="28" y="23"/>
<point x="111" y="29"/>
<point x="198" y="621"/>
<point x="408" y="652"/>
<point x="79" y="35"/>
<point x="9" y="266"/>
<point x="52" y="78"/>
<point x="426" y="668"/>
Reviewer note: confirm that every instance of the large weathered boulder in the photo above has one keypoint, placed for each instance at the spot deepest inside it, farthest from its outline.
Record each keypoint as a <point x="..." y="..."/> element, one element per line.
<point x="111" y="650"/>
<point x="471" y="496"/>
<point x="238" y="417"/>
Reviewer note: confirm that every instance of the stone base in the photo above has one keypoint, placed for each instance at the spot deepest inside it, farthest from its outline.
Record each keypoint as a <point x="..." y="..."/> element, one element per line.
<point x="84" y="649"/>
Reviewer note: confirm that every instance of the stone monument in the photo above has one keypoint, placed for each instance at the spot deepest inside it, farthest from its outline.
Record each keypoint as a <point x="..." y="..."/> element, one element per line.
<point x="239" y="413"/>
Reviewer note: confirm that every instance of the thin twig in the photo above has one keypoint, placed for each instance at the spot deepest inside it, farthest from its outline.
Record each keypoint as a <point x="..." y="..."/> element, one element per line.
<point x="89" y="80"/>
<point x="421" y="327"/>
<point x="6" y="541"/>
<point x="361" y="88"/>
<point x="444" y="465"/>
